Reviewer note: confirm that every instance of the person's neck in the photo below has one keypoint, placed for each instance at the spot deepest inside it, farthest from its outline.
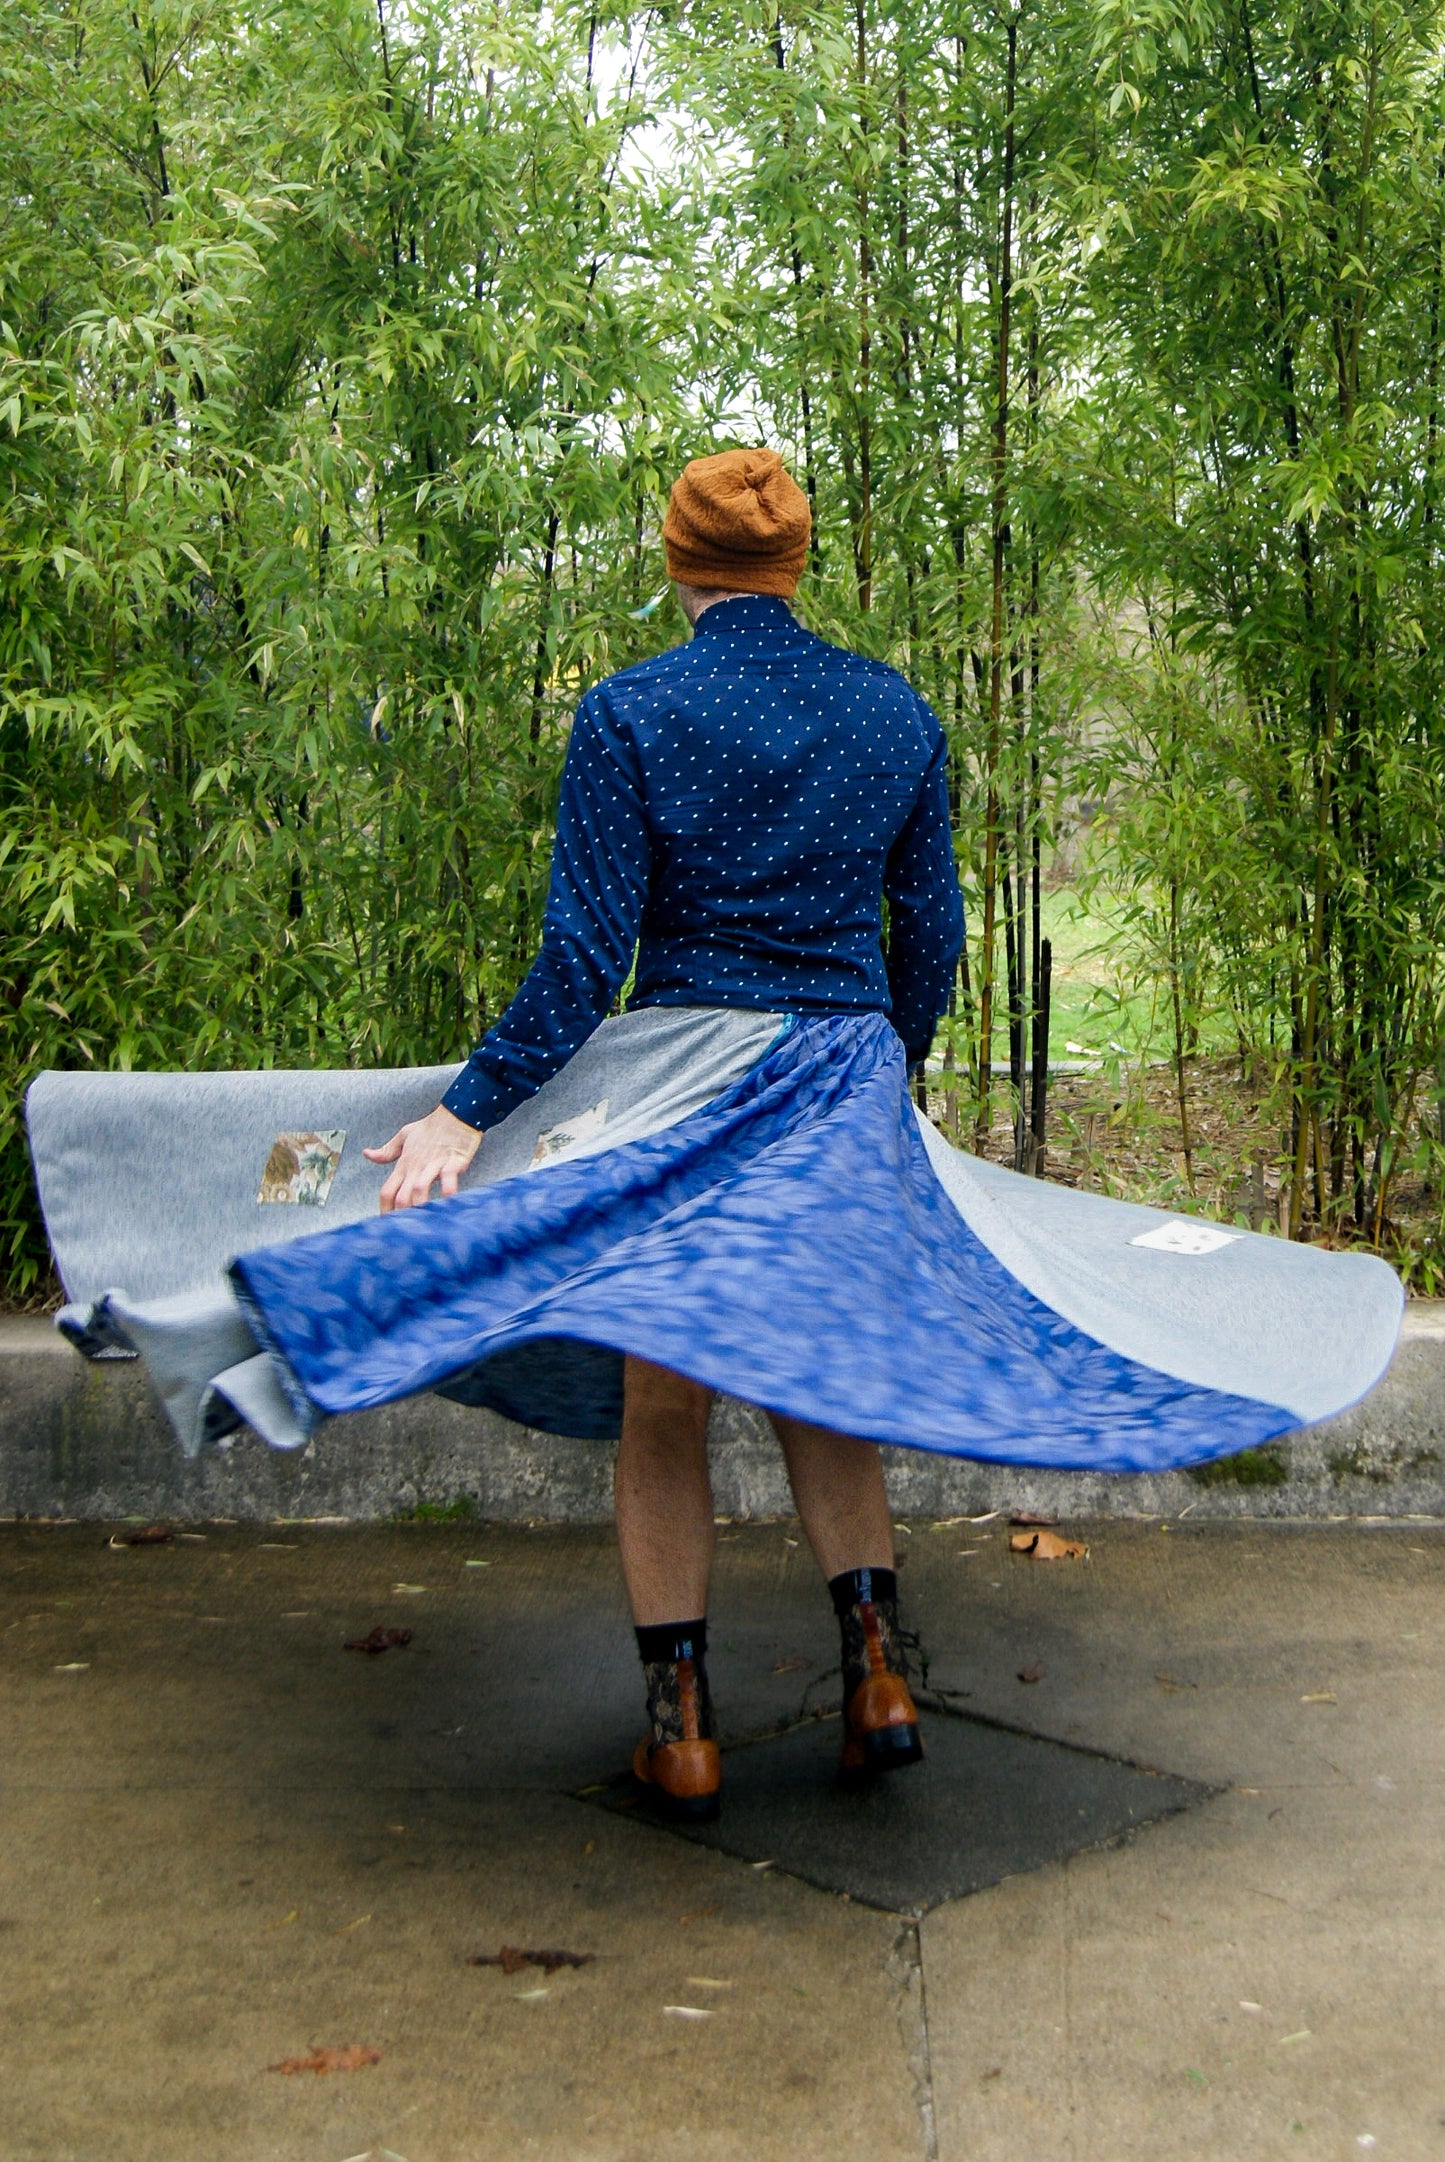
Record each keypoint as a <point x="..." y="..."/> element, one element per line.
<point x="719" y="600"/>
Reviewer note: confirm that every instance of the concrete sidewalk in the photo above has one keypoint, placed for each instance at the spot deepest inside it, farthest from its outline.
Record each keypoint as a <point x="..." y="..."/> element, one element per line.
<point x="229" y="1841"/>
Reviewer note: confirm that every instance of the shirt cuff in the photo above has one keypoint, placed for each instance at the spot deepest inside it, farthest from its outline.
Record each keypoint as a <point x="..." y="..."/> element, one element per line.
<point x="479" y="1099"/>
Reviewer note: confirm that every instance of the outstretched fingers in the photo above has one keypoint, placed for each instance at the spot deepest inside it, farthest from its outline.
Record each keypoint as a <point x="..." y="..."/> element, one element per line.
<point x="410" y="1184"/>
<point x="389" y="1150"/>
<point x="436" y="1148"/>
<point x="391" y="1192"/>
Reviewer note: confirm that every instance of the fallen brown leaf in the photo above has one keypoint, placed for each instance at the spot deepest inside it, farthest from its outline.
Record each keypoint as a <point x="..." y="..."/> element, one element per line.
<point x="512" y="1959"/>
<point x="380" y="1640"/>
<point x="153" y="1535"/>
<point x="1167" y="1681"/>
<point x="1030" y="1516"/>
<point x="1034" y="1673"/>
<point x="350" y="2059"/>
<point x="1048" y="1546"/>
<point x="699" y="1913"/>
<point x="791" y="1666"/>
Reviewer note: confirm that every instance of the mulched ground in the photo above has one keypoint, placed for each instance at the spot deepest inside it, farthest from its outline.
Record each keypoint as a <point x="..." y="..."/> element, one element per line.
<point x="1117" y="1131"/>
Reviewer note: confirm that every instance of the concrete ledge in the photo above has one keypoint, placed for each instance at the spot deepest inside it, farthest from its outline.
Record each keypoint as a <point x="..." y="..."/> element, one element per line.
<point x="91" y="1442"/>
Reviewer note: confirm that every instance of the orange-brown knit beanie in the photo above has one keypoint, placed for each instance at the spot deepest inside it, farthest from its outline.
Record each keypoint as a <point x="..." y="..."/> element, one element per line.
<point x="739" y="523"/>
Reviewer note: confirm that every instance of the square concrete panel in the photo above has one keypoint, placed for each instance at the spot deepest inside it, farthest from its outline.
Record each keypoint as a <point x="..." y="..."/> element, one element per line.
<point x="987" y="1802"/>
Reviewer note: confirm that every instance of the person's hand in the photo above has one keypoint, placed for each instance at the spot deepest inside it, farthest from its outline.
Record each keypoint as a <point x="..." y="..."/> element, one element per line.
<point x="440" y="1146"/>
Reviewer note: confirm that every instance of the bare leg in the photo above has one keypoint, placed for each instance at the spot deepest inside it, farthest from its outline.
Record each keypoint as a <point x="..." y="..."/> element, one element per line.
<point x="664" y="1496"/>
<point x="837" y="1483"/>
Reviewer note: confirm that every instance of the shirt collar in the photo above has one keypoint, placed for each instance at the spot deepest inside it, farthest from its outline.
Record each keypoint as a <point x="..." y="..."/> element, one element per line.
<point x="744" y="612"/>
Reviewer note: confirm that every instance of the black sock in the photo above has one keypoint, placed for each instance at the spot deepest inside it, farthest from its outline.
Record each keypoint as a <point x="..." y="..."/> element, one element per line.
<point x="664" y="1648"/>
<point x="853" y="1586"/>
<point x="852" y="1591"/>
<point x="672" y="1640"/>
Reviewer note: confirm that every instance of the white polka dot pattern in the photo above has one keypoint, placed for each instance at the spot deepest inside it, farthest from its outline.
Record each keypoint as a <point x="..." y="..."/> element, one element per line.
<point x="736" y="809"/>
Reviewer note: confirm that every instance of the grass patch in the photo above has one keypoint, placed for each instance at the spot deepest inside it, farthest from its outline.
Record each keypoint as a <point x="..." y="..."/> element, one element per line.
<point x="458" y="1511"/>
<point x="1355" y="1462"/>
<point x="1251" y="1467"/>
<point x="1110" y="999"/>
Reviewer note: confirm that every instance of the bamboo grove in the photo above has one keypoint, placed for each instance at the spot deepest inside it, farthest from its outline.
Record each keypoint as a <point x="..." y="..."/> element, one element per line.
<point x="348" y="348"/>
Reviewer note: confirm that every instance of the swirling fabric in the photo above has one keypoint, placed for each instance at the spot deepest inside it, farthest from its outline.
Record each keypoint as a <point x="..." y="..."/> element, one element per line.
<point x="789" y="1243"/>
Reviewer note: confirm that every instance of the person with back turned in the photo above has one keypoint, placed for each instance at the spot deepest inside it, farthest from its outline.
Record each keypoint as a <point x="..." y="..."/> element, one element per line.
<point x="739" y="809"/>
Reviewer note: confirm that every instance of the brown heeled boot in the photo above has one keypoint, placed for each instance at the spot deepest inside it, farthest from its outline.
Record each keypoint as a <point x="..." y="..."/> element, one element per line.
<point x="681" y="1775"/>
<point x="880" y="1719"/>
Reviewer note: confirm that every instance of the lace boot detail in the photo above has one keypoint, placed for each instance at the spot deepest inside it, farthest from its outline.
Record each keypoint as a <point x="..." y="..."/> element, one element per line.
<point x="872" y="1643"/>
<point x="866" y="1603"/>
<point x="677" y="1768"/>
<point x="679" y="1701"/>
<point x="880" y="1722"/>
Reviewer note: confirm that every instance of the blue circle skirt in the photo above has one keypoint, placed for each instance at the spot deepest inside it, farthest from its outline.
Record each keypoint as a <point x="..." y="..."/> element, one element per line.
<point x="751" y="1199"/>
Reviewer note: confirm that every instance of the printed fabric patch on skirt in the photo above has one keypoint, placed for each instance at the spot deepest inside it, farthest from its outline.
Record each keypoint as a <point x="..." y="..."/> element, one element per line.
<point x="805" y="1241"/>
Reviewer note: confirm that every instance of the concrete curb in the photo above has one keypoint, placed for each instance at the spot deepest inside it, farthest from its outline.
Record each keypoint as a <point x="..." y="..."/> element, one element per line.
<point x="91" y="1442"/>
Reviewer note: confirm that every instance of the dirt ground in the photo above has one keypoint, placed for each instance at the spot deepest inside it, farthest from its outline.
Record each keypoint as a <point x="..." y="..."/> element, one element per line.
<point x="1115" y="1129"/>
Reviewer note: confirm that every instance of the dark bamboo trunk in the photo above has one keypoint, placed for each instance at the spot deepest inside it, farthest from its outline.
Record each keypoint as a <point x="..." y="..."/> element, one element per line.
<point x="999" y="520"/>
<point x="1039" y="1091"/>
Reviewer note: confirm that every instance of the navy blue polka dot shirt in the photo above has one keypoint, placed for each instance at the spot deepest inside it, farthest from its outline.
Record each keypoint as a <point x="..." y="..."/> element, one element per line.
<point x="735" y="810"/>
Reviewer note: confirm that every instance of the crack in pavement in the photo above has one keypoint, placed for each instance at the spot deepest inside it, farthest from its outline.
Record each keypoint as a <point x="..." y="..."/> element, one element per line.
<point x="905" y="1971"/>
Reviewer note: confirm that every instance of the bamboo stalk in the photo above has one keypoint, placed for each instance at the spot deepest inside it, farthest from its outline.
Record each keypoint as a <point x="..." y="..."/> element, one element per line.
<point x="999" y="510"/>
<point x="1039" y="1104"/>
<point x="1306" y="1068"/>
<point x="810" y="478"/>
<point x="1181" y="1089"/>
